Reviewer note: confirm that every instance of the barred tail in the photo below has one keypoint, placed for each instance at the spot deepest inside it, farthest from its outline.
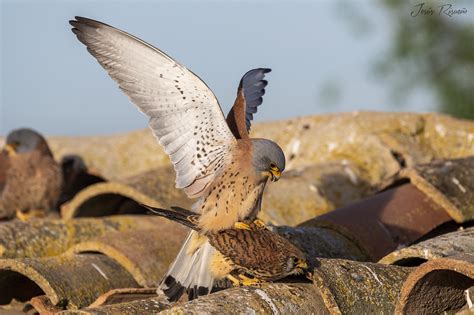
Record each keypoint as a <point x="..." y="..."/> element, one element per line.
<point x="189" y="272"/>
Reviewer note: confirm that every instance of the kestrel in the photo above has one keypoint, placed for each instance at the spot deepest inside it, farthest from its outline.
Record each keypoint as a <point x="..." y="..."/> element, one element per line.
<point x="76" y="177"/>
<point x="214" y="159"/>
<point x="256" y="252"/>
<point x="33" y="179"/>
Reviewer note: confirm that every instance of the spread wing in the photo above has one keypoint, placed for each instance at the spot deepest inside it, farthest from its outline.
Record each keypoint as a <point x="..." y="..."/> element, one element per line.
<point x="185" y="115"/>
<point x="249" y="97"/>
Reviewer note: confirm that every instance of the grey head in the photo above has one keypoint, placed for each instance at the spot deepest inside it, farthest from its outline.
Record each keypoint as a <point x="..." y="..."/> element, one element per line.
<point x="268" y="157"/>
<point x="25" y="140"/>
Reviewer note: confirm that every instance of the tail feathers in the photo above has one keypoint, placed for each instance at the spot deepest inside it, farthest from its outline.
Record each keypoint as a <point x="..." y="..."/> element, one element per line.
<point x="173" y="290"/>
<point x="195" y="292"/>
<point x="177" y="214"/>
<point x="189" y="272"/>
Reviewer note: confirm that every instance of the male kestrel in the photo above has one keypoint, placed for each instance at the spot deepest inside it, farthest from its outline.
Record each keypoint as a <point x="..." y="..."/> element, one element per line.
<point x="32" y="178"/>
<point x="256" y="251"/>
<point x="214" y="159"/>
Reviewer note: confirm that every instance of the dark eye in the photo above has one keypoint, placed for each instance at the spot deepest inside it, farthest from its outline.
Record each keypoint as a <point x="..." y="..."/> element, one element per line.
<point x="273" y="165"/>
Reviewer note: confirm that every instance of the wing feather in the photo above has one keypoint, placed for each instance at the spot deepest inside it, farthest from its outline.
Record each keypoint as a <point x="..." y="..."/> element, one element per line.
<point x="184" y="114"/>
<point x="249" y="97"/>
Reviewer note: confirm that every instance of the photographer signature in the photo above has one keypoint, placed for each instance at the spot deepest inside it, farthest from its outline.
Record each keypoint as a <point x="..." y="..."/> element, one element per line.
<point x="445" y="9"/>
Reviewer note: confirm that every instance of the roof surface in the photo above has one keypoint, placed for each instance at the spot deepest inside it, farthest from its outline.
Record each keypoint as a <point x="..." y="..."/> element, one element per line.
<point x="381" y="203"/>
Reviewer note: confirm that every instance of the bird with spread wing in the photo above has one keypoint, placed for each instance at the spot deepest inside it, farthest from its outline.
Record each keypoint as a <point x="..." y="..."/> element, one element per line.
<point x="215" y="160"/>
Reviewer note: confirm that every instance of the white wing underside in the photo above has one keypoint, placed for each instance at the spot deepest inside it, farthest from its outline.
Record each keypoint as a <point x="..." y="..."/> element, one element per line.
<point x="185" y="115"/>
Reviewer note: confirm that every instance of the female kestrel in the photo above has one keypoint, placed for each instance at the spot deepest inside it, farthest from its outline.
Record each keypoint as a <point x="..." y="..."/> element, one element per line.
<point x="214" y="159"/>
<point x="256" y="252"/>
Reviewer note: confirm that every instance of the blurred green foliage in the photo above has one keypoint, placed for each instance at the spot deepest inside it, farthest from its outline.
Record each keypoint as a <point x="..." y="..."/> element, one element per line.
<point x="433" y="50"/>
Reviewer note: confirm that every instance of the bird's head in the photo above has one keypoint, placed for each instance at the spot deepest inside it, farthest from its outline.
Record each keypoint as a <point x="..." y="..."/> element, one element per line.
<point x="23" y="141"/>
<point x="268" y="158"/>
<point x="296" y="264"/>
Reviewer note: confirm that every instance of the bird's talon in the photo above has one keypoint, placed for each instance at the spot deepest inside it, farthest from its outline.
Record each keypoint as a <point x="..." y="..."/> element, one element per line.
<point x="259" y="223"/>
<point x="250" y="281"/>
<point x="242" y="226"/>
<point x="26" y="216"/>
<point x="21" y="215"/>
<point x="235" y="282"/>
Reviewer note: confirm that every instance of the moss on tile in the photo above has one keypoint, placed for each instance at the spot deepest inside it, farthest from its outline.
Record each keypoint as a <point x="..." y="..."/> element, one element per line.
<point x="52" y="237"/>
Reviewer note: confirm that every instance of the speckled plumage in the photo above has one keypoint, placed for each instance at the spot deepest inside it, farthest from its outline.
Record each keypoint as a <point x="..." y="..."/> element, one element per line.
<point x="214" y="158"/>
<point x="33" y="179"/>
<point x="257" y="252"/>
<point x="235" y="195"/>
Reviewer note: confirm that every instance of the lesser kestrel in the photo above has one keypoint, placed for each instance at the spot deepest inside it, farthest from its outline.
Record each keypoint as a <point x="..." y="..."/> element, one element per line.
<point x="214" y="159"/>
<point x="32" y="178"/>
<point x="76" y="177"/>
<point x="245" y="256"/>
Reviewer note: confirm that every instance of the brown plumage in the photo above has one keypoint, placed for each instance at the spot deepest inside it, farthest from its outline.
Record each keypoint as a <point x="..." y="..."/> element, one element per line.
<point x="236" y="117"/>
<point x="4" y="165"/>
<point x="215" y="160"/>
<point x="236" y="195"/>
<point x="33" y="179"/>
<point x="76" y="177"/>
<point x="255" y="252"/>
<point x="249" y="97"/>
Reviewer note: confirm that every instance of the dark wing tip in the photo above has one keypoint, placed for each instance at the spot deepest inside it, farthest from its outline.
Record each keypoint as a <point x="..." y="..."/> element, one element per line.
<point x="253" y="86"/>
<point x="87" y="21"/>
<point x="78" y="21"/>
<point x="264" y="70"/>
<point x="82" y="21"/>
<point x="253" y="76"/>
<point x="81" y="18"/>
<point x="78" y="27"/>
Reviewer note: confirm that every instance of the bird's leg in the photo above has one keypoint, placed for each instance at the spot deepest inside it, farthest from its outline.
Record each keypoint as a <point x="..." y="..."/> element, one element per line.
<point x="259" y="223"/>
<point x="21" y="215"/>
<point x="246" y="226"/>
<point x="250" y="281"/>
<point x="26" y="216"/>
<point x="242" y="226"/>
<point x="236" y="282"/>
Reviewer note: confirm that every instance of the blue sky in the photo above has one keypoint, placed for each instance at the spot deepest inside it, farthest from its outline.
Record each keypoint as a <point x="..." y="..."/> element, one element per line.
<point x="320" y="56"/>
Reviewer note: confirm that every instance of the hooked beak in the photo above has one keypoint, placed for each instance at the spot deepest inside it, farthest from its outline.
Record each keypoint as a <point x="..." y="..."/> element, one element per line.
<point x="301" y="266"/>
<point x="10" y="148"/>
<point x="275" y="174"/>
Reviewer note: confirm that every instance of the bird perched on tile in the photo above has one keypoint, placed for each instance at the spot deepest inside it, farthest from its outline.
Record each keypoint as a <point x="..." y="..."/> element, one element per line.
<point x="76" y="176"/>
<point x="32" y="178"/>
<point x="214" y="158"/>
<point x="256" y="251"/>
